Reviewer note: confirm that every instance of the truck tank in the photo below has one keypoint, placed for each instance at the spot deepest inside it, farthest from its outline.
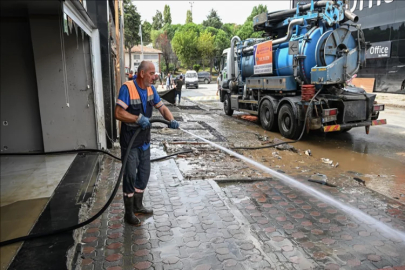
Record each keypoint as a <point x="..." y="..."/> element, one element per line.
<point x="309" y="39"/>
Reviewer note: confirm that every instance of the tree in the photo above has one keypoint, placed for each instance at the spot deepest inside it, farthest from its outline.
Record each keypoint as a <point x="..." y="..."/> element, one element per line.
<point x="157" y="20"/>
<point x="132" y="20"/>
<point x="163" y="44"/>
<point x="206" y="48"/>
<point x="146" y="29"/>
<point x="185" y="45"/>
<point x="171" y="29"/>
<point x="230" y="29"/>
<point x="189" y="18"/>
<point x="222" y="41"/>
<point x="167" y="15"/>
<point x="213" y="20"/>
<point x="211" y="30"/>
<point x="246" y="31"/>
<point x="154" y="34"/>
<point x="256" y="11"/>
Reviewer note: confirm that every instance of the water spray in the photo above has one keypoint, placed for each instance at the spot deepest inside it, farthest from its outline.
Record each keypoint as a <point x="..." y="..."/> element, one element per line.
<point x="354" y="212"/>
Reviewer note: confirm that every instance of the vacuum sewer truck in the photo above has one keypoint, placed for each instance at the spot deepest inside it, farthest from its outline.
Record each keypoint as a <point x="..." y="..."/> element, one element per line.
<point x="297" y="77"/>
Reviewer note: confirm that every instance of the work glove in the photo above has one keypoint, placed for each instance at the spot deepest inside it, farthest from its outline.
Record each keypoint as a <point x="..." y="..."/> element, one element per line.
<point x="143" y="121"/>
<point x="174" y="124"/>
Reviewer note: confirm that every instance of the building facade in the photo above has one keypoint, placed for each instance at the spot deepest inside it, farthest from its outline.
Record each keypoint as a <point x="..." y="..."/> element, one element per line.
<point x="383" y="23"/>
<point x="149" y="54"/>
<point x="58" y="74"/>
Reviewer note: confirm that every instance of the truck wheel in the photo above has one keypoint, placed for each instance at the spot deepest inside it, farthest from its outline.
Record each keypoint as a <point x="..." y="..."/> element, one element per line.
<point x="206" y="81"/>
<point x="288" y="123"/>
<point x="266" y="115"/>
<point x="227" y="105"/>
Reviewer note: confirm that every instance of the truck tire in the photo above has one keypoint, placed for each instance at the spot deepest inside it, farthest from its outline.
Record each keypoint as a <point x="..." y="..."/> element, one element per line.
<point x="227" y="105"/>
<point x="266" y="115"/>
<point x="206" y="81"/>
<point x="288" y="124"/>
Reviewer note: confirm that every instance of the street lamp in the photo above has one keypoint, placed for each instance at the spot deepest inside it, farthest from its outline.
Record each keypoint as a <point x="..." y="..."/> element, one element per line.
<point x="191" y="4"/>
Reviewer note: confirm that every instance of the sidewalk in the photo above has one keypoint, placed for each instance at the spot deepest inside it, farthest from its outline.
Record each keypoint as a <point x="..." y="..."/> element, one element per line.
<point x="258" y="225"/>
<point x="391" y="100"/>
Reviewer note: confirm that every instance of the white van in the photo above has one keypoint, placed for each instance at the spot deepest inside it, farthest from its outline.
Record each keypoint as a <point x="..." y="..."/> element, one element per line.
<point x="191" y="79"/>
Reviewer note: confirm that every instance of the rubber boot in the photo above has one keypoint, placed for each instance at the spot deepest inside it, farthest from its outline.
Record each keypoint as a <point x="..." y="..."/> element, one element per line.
<point x="129" y="211"/>
<point x="138" y="206"/>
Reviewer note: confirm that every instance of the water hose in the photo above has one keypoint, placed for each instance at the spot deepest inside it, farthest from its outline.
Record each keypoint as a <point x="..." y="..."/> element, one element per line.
<point x="99" y="213"/>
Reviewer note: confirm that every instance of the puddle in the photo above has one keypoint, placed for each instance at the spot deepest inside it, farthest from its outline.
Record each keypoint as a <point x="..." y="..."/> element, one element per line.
<point x="17" y="219"/>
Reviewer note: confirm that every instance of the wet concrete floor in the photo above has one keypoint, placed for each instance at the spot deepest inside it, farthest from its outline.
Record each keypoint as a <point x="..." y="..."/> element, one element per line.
<point x="27" y="183"/>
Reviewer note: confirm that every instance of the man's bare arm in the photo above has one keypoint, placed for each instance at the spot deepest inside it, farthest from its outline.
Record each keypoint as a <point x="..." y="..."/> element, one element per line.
<point x="122" y="115"/>
<point x="165" y="112"/>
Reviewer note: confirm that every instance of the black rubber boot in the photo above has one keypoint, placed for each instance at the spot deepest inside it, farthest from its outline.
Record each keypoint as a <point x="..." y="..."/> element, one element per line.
<point x="129" y="211"/>
<point x="138" y="206"/>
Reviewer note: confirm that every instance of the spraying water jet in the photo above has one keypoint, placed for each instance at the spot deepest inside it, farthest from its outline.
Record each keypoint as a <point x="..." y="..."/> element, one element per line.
<point x="354" y="212"/>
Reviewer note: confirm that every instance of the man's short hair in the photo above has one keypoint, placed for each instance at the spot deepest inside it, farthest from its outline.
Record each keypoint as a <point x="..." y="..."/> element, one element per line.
<point x="181" y="77"/>
<point x="144" y="66"/>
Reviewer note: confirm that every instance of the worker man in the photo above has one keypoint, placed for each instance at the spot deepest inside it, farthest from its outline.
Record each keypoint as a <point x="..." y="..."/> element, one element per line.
<point x="131" y="75"/>
<point x="134" y="108"/>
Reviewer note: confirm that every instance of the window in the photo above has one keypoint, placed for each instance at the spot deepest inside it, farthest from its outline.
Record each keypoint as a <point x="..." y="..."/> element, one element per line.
<point x="191" y="75"/>
<point x="137" y="57"/>
<point x="150" y="56"/>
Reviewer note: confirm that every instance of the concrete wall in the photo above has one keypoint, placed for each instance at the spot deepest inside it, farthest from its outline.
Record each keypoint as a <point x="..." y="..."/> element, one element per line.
<point x="63" y="127"/>
<point x="99" y="13"/>
<point x="19" y="95"/>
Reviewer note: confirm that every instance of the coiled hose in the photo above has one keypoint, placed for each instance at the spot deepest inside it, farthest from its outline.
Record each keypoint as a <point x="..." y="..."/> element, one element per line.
<point x="117" y="185"/>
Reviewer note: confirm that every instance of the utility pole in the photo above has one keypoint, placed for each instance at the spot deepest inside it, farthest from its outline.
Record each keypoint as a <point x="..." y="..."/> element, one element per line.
<point x="191" y="4"/>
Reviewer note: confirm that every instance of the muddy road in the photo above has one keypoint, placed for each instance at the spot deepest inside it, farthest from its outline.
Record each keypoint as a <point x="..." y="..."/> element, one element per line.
<point x="342" y="159"/>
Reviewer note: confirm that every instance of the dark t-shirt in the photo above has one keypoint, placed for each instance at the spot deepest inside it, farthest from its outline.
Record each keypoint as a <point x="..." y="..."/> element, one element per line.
<point x="179" y="84"/>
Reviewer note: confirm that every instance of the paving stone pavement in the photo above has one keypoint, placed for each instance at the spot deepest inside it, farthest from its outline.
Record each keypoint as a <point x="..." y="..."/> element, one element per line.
<point x="261" y="225"/>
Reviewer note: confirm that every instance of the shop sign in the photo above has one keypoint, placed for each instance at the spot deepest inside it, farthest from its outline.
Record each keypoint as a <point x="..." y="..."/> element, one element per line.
<point x="379" y="50"/>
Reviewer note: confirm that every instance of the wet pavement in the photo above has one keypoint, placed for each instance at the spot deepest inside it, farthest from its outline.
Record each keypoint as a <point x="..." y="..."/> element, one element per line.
<point x="258" y="225"/>
<point x="213" y="211"/>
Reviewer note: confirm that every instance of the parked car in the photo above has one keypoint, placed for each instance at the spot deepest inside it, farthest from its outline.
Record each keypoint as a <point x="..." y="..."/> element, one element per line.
<point x="204" y="76"/>
<point x="191" y="79"/>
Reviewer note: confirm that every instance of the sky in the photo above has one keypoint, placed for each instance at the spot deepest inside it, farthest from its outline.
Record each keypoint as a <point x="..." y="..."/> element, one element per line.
<point x="228" y="11"/>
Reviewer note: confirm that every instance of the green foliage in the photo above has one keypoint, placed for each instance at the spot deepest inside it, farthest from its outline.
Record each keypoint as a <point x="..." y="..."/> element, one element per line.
<point x="167" y="15"/>
<point x="157" y="21"/>
<point x="222" y="41"/>
<point x="213" y="20"/>
<point x="146" y="31"/>
<point x="171" y="29"/>
<point x="256" y="11"/>
<point x="167" y="68"/>
<point x="189" y="18"/>
<point x="246" y="31"/>
<point x="196" y="67"/>
<point x="230" y="29"/>
<point x="206" y="46"/>
<point x="154" y="35"/>
<point x="213" y="31"/>
<point x="132" y="20"/>
<point x="192" y="27"/>
<point x="185" y="45"/>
